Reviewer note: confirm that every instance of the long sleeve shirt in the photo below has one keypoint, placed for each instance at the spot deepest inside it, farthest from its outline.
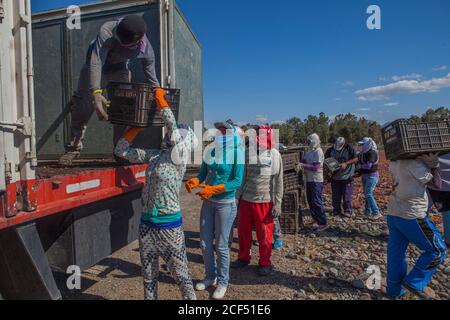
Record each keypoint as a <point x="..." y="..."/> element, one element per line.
<point x="263" y="180"/>
<point x="160" y="196"/>
<point x="224" y="173"/>
<point x="409" y="200"/>
<point x="106" y="54"/>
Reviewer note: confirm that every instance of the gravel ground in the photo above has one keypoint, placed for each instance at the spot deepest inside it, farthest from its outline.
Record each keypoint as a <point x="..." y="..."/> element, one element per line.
<point x="330" y="266"/>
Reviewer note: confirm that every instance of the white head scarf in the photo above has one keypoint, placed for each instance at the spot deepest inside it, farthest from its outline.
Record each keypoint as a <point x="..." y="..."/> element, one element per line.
<point x="368" y="144"/>
<point x="340" y="143"/>
<point x="314" y="142"/>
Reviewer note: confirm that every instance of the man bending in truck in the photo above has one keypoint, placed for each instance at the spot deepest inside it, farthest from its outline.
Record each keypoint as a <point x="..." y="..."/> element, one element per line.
<point x="161" y="231"/>
<point x="108" y="60"/>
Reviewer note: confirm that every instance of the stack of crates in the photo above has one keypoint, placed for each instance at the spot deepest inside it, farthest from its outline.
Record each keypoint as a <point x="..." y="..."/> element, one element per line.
<point x="289" y="219"/>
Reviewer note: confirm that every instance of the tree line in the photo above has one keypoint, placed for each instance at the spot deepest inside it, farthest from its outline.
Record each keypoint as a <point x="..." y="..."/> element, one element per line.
<point x="295" y="130"/>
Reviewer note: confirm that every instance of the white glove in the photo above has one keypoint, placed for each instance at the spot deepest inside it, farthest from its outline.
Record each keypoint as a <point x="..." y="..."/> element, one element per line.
<point x="431" y="160"/>
<point x="299" y="168"/>
<point x="100" y="104"/>
<point x="276" y="213"/>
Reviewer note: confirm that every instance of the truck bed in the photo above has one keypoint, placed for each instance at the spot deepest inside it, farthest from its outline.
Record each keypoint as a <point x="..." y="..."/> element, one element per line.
<point x="51" y="169"/>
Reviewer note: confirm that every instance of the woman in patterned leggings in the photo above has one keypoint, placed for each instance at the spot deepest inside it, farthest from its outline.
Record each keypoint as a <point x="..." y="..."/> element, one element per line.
<point x="161" y="230"/>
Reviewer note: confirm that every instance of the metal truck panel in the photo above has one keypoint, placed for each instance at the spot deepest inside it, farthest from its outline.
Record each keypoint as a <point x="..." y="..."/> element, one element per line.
<point x="16" y="101"/>
<point x="188" y="74"/>
<point x="48" y="52"/>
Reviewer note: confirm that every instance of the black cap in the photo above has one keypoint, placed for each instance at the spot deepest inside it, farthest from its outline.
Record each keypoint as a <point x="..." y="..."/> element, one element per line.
<point x="131" y="29"/>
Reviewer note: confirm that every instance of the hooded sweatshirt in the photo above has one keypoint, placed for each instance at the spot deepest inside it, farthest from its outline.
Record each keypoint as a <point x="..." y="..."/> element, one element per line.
<point x="263" y="179"/>
<point x="106" y="54"/>
<point x="225" y="166"/>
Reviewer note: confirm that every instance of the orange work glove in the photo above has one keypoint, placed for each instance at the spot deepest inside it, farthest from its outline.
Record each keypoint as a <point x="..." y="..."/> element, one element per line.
<point x="131" y="134"/>
<point x="160" y="97"/>
<point x="192" y="184"/>
<point x="209" y="191"/>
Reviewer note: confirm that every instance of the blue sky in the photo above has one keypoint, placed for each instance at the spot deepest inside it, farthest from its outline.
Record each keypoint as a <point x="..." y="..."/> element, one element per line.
<point x="268" y="61"/>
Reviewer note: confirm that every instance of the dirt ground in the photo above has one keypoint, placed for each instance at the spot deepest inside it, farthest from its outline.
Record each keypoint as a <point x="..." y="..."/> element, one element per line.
<point x="331" y="266"/>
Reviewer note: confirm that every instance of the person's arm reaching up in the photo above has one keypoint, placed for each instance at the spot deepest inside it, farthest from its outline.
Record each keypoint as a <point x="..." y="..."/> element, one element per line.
<point x="134" y="155"/>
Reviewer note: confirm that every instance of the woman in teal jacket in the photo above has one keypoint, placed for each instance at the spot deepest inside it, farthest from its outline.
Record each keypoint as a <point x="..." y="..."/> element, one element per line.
<point x="220" y="177"/>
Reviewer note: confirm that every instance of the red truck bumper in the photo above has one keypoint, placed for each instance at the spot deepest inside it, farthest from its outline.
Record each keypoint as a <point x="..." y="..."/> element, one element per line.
<point x="30" y="200"/>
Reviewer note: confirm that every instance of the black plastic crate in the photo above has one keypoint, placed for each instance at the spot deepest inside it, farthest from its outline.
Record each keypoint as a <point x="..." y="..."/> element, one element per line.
<point x="289" y="223"/>
<point x="133" y="104"/>
<point x="290" y="160"/>
<point x="291" y="181"/>
<point x="332" y="165"/>
<point x="404" y="139"/>
<point x="290" y="202"/>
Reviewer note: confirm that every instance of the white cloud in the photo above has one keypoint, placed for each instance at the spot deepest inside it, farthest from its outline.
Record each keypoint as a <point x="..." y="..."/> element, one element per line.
<point x="348" y="83"/>
<point x="392" y="104"/>
<point x="337" y="99"/>
<point x="278" y="122"/>
<point x="441" y="68"/>
<point x="364" y="109"/>
<point x="383" y="79"/>
<point x="402" y="87"/>
<point x="262" y="118"/>
<point x="413" y="76"/>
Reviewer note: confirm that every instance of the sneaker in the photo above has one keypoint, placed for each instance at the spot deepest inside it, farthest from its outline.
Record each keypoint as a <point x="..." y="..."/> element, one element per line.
<point x="265" y="271"/>
<point x="323" y="228"/>
<point x="277" y="245"/>
<point x="239" y="264"/>
<point x="348" y="214"/>
<point x="220" y="292"/>
<point x="315" y="226"/>
<point x="205" y="284"/>
<point x="256" y="243"/>
<point x="376" y="217"/>
<point x="420" y="294"/>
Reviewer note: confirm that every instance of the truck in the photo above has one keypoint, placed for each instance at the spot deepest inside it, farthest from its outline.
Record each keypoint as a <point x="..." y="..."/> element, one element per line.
<point x="54" y="218"/>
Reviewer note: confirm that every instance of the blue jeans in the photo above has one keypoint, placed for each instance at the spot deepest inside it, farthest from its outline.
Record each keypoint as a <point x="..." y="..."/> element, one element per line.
<point x="277" y="233"/>
<point x="423" y="234"/>
<point x="216" y="221"/>
<point x="446" y="217"/>
<point x="314" y="195"/>
<point x="369" y="185"/>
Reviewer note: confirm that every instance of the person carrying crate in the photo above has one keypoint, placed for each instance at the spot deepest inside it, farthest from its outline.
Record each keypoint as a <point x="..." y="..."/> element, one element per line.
<point x="261" y="197"/>
<point x="161" y="231"/>
<point x="441" y="196"/>
<point x="408" y="223"/>
<point x="342" y="180"/>
<point x="107" y="60"/>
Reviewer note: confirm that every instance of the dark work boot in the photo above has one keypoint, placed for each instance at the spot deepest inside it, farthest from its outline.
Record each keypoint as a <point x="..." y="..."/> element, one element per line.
<point x="265" y="271"/>
<point x="239" y="264"/>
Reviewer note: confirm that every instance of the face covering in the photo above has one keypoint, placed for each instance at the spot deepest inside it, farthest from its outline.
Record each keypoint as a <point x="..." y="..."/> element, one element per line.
<point x="340" y="143"/>
<point x="369" y="145"/>
<point x="185" y="132"/>
<point x="313" y="142"/>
